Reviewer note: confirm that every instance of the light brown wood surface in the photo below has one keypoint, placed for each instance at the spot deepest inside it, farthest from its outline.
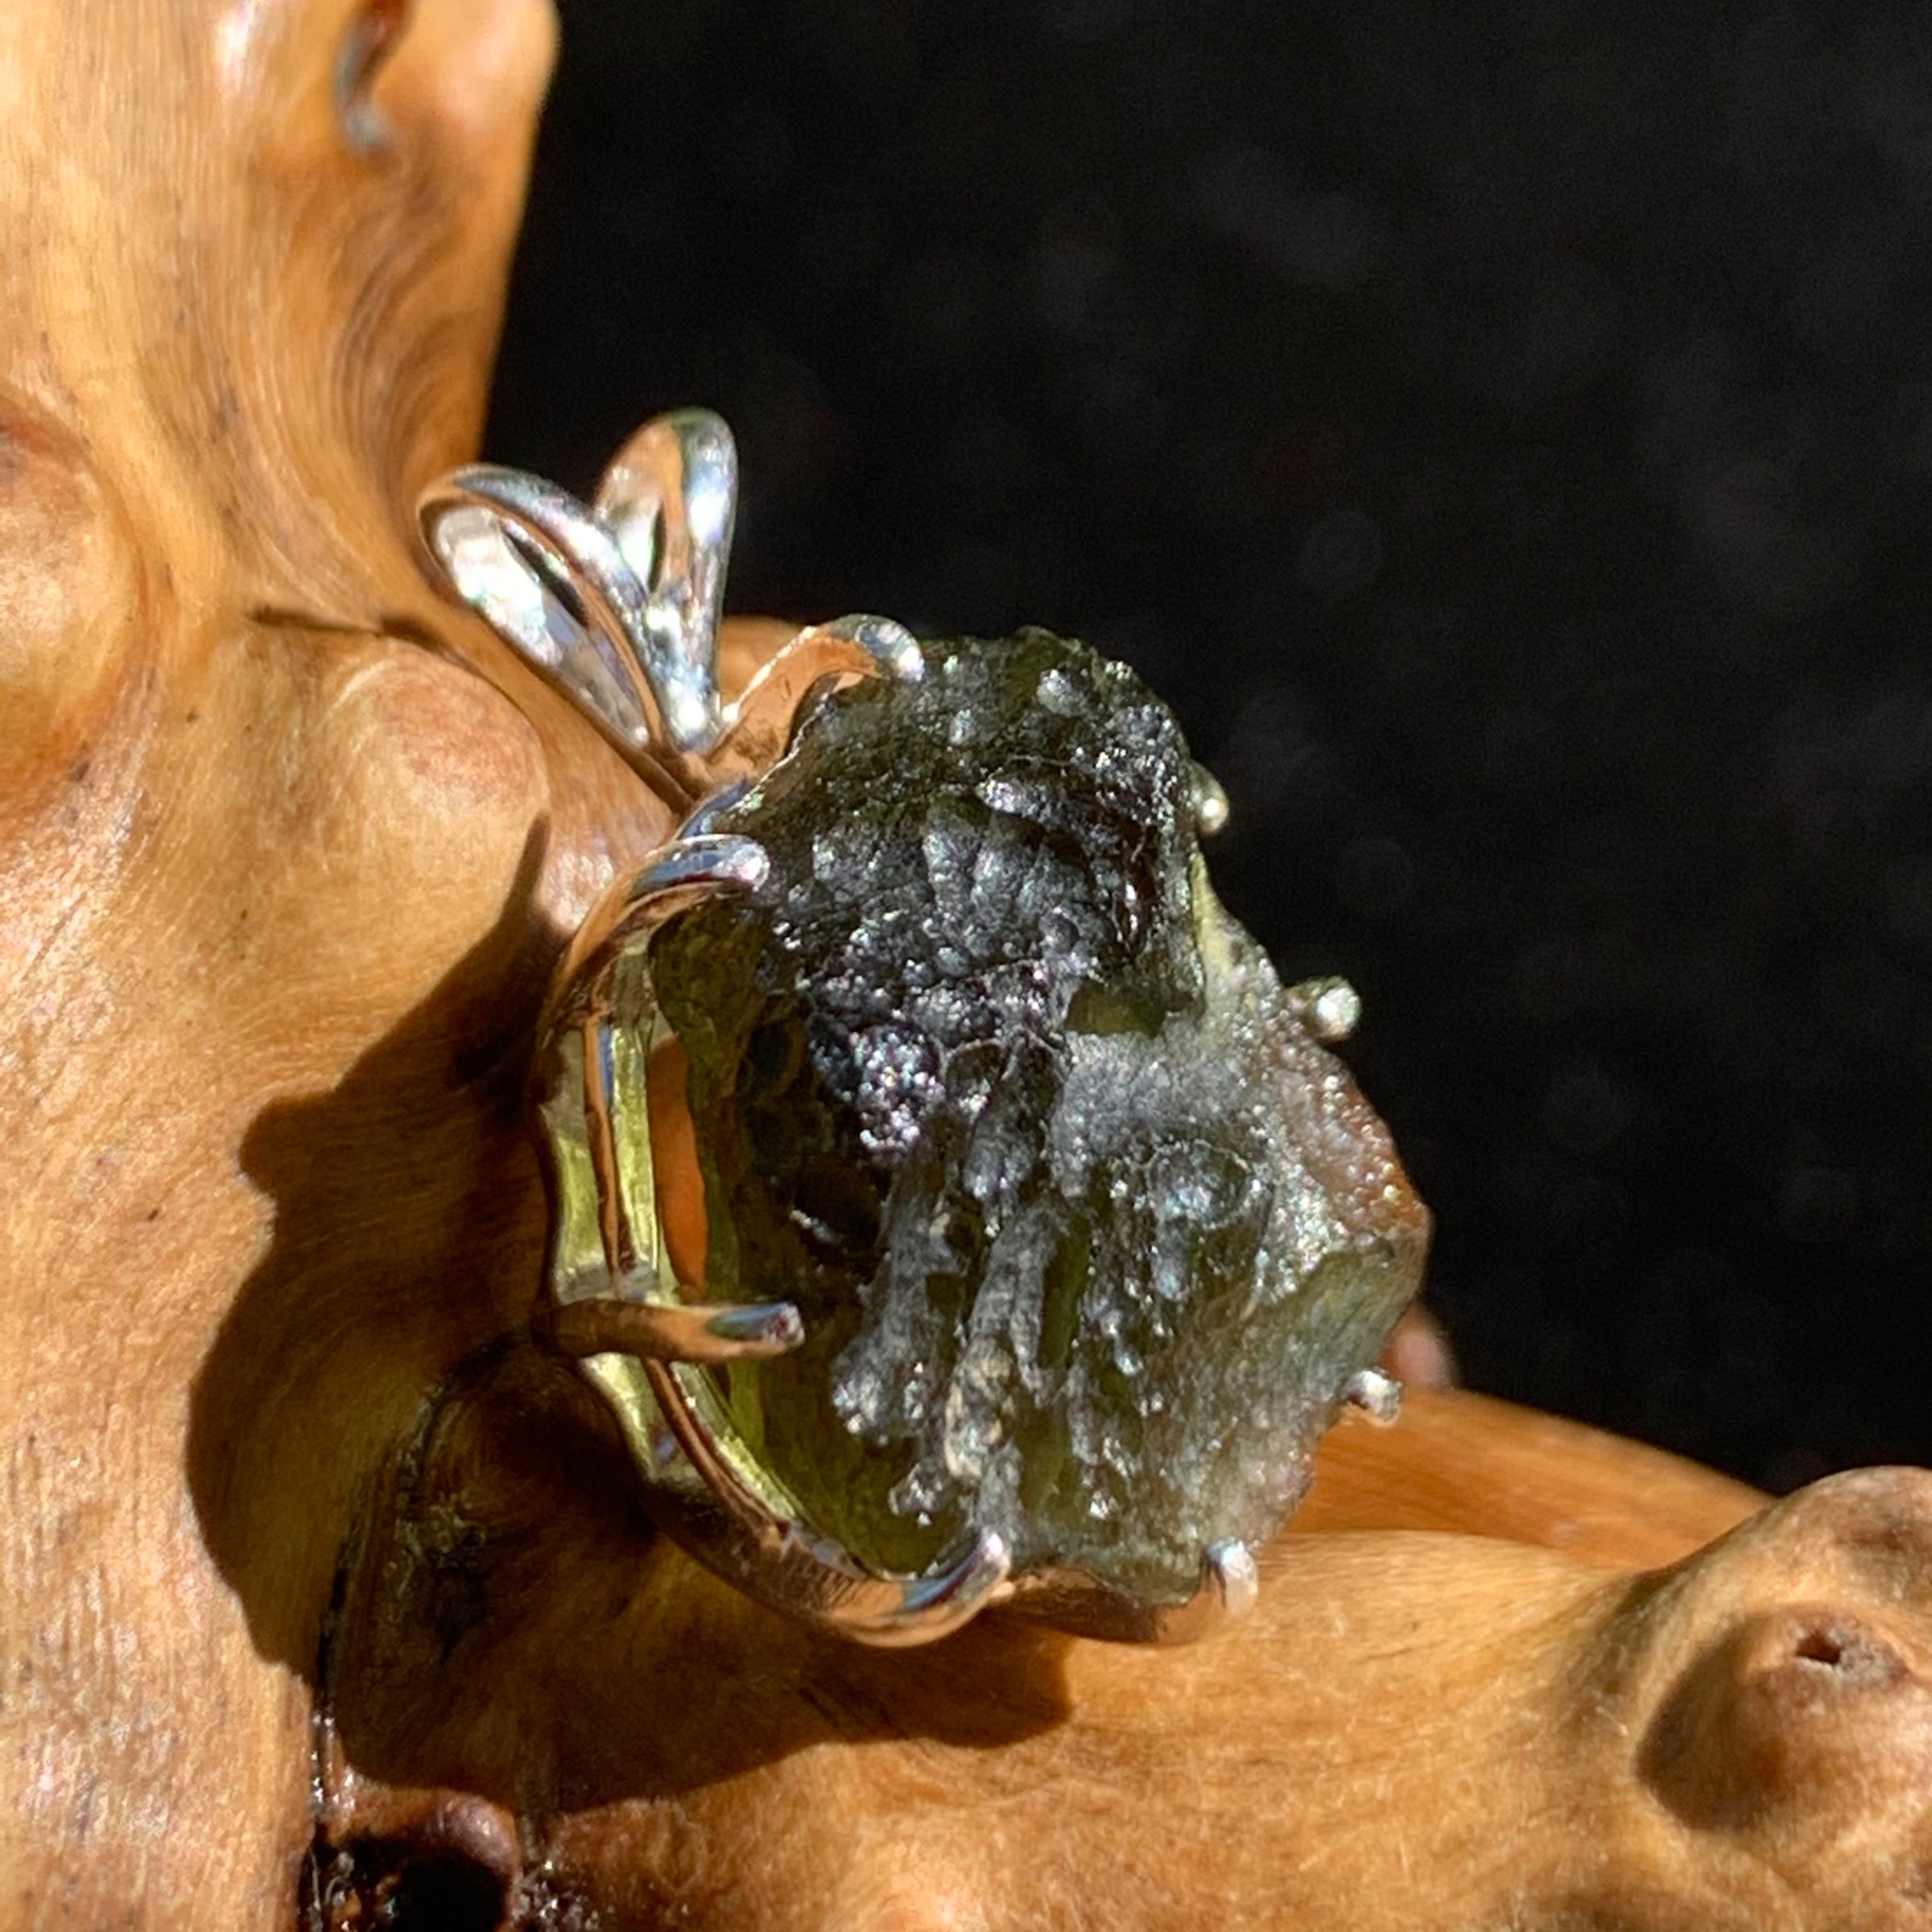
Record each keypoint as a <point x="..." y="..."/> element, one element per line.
<point x="324" y="1596"/>
<point x="1468" y="1463"/>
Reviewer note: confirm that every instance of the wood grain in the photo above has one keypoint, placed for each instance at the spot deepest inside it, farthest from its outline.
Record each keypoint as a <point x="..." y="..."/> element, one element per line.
<point x="1459" y="1461"/>
<point x="324" y="1597"/>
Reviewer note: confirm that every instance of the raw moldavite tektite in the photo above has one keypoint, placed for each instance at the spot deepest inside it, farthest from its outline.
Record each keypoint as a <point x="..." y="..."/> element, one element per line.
<point x="1087" y="1231"/>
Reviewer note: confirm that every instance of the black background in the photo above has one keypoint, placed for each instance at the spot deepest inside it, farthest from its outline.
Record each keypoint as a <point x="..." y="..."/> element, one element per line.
<point x="1504" y="434"/>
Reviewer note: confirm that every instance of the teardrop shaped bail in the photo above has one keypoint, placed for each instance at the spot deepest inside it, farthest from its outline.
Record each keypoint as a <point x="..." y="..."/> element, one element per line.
<point x="616" y="604"/>
<point x="669" y="497"/>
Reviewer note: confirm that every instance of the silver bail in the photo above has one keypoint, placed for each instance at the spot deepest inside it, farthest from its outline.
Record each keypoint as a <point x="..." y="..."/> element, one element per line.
<point x="616" y="605"/>
<point x="670" y="496"/>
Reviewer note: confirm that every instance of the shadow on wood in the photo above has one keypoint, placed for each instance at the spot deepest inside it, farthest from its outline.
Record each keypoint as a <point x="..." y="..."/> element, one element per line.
<point x="322" y="1591"/>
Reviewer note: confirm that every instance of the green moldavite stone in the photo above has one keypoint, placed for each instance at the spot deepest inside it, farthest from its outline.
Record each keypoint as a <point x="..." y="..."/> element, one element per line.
<point x="1089" y="1233"/>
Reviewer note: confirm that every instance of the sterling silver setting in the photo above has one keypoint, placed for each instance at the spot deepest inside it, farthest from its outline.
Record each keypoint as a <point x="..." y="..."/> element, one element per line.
<point x="615" y="603"/>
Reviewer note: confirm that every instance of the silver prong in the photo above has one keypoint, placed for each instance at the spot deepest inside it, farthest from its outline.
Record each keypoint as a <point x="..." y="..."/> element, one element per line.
<point x="783" y="1563"/>
<point x="1229" y="1585"/>
<point x="672" y="879"/>
<point x="924" y="1607"/>
<point x="1331" y="1008"/>
<point x="693" y="1331"/>
<point x="710" y="810"/>
<point x="1072" y="1599"/>
<point x="1210" y="803"/>
<point x="762" y="719"/>
<point x="1378" y="1396"/>
<point x="894" y="648"/>
<point x="711" y="860"/>
<point x="1229" y="1568"/>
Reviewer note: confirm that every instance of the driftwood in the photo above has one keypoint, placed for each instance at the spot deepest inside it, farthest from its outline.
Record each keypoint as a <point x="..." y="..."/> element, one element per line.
<point x="323" y="1598"/>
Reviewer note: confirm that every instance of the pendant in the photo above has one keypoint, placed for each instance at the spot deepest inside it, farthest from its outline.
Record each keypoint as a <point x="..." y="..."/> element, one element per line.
<point x="948" y="1199"/>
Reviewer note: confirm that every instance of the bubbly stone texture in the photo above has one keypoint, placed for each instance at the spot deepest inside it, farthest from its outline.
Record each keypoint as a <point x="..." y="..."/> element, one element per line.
<point x="1088" y="1232"/>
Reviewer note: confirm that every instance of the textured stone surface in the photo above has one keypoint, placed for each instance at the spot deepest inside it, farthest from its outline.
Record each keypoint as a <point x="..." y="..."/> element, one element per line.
<point x="1087" y="1230"/>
